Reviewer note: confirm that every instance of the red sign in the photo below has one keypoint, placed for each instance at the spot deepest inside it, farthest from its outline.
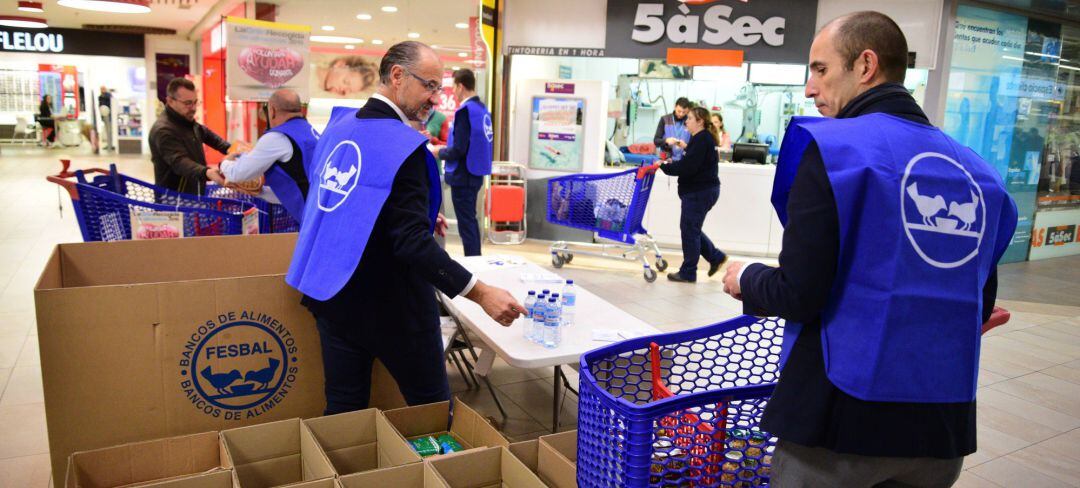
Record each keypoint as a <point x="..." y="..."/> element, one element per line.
<point x="447" y="103"/>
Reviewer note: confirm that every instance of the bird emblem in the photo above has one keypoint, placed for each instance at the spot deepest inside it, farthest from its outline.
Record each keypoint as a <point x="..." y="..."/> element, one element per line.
<point x="338" y="179"/>
<point x="928" y="206"/>
<point x="964" y="211"/>
<point x="220" y="381"/>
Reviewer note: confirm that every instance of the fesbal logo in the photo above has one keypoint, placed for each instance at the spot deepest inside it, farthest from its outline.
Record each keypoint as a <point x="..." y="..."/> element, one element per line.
<point x="238" y="365"/>
<point x="714" y="26"/>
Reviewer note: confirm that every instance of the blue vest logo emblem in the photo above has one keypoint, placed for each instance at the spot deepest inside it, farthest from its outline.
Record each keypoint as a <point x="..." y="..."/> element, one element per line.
<point x="489" y="130"/>
<point x="339" y="175"/>
<point x="943" y="211"/>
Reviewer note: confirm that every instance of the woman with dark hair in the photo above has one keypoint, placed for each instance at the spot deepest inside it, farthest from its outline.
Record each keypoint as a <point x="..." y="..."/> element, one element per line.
<point x="699" y="189"/>
<point x="48" y="125"/>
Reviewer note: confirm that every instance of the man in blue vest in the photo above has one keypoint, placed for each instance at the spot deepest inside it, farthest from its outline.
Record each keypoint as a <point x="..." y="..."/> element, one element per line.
<point x="283" y="154"/>
<point x="366" y="259"/>
<point x="672" y="129"/>
<point x="892" y="235"/>
<point x="468" y="156"/>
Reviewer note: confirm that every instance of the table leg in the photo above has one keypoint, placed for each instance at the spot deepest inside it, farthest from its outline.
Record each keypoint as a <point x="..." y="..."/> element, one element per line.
<point x="555" y="404"/>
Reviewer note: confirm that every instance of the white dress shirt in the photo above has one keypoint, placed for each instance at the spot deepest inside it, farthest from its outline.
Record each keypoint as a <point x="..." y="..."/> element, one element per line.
<point x="271" y="148"/>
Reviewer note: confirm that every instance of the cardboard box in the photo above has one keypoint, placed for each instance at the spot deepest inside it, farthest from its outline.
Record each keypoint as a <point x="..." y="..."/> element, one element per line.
<point x="557" y="459"/>
<point x="142" y="462"/>
<point x="144" y="340"/>
<point x="407" y="476"/>
<point x="470" y="428"/>
<point x="216" y="479"/>
<point x="360" y="441"/>
<point x="275" y="454"/>
<point x="491" y="467"/>
<point x="528" y="452"/>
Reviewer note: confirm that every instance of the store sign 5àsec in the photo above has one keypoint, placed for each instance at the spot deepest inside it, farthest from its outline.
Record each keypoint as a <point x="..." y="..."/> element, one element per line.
<point x="32" y="42"/>
<point x="685" y="28"/>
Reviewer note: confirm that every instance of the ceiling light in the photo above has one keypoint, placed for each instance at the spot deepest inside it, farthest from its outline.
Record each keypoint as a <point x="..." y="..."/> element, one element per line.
<point x="363" y="17"/>
<point x="327" y="27"/>
<point x="111" y="6"/>
<point x="23" y="22"/>
<point x="389" y="9"/>
<point x="461" y="25"/>
<point x="35" y="7"/>
<point x="377" y="42"/>
<point x="337" y="39"/>
<point x="463" y="55"/>
<point x="414" y="35"/>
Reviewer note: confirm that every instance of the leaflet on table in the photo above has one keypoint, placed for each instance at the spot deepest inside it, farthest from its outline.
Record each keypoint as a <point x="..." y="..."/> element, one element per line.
<point x="478" y="264"/>
<point x="150" y="224"/>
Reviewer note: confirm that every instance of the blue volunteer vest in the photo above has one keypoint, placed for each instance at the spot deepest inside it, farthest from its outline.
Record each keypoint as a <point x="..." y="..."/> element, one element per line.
<point x="481" y="134"/>
<point x="355" y="161"/>
<point x="289" y="179"/>
<point x="679" y="131"/>
<point x="923" y="221"/>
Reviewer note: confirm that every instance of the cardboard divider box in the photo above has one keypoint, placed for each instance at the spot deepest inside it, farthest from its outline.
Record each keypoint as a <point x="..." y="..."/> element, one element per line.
<point x="274" y="454"/>
<point x="407" y="476"/>
<point x="142" y="462"/>
<point x="557" y="459"/>
<point x="143" y="340"/>
<point x="492" y="467"/>
<point x="470" y="428"/>
<point x="528" y="452"/>
<point x="360" y="441"/>
<point x="216" y="479"/>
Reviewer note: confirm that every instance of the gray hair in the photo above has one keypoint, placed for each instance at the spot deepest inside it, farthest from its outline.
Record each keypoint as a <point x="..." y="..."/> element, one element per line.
<point x="286" y="100"/>
<point x="405" y="54"/>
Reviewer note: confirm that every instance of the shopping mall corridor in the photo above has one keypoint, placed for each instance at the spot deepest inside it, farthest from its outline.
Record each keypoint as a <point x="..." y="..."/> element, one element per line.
<point x="1028" y="401"/>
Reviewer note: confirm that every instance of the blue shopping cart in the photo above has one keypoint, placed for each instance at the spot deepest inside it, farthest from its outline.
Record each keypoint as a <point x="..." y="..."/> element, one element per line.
<point x="273" y="218"/>
<point x="612" y="206"/>
<point x="103" y="205"/>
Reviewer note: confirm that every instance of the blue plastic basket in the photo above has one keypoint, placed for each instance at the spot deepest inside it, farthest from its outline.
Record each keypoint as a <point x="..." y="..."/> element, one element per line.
<point x="103" y="206"/>
<point x="612" y="205"/>
<point x="706" y="434"/>
<point x="273" y="218"/>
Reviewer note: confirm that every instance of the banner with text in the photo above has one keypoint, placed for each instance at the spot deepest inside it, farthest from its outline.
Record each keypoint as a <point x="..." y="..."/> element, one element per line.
<point x="265" y="56"/>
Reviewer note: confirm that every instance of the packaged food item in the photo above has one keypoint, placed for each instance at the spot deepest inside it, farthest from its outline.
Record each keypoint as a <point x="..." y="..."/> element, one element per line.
<point x="758" y="439"/>
<point x="425" y="446"/>
<point x="447" y="440"/>
<point x="754" y="452"/>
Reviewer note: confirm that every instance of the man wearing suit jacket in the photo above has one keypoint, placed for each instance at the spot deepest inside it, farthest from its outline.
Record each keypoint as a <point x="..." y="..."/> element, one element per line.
<point x="366" y="259"/>
<point x="878" y="387"/>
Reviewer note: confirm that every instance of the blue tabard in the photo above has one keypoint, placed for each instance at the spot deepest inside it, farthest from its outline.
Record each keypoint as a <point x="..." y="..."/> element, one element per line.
<point x="289" y="180"/>
<point x="679" y="131"/>
<point x="923" y="221"/>
<point x="355" y="164"/>
<point x="481" y="134"/>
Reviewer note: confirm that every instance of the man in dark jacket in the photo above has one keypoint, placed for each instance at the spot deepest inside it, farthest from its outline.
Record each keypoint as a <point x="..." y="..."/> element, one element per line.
<point x="672" y="128"/>
<point x="833" y="430"/>
<point x="176" y="143"/>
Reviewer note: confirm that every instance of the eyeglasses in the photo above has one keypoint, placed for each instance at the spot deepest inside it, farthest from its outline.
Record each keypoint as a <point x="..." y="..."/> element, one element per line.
<point x="187" y="103"/>
<point x="431" y="86"/>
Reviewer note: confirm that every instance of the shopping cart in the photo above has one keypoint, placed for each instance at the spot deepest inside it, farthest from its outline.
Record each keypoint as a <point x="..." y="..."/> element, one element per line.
<point x="504" y="207"/>
<point x="612" y="206"/>
<point x="103" y="205"/>
<point x="273" y="218"/>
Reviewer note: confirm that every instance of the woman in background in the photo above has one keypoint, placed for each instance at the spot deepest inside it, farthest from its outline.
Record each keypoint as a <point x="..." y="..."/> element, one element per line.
<point x="699" y="189"/>
<point x="724" y="141"/>
<point x="48" y="125"/>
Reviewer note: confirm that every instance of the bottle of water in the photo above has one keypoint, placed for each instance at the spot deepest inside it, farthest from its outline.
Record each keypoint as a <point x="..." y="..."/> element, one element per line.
<point x="539" y="316"/>
<point x="552" y="325"/>
<point x="527" y="324"/>
<point x="569" y="302"/>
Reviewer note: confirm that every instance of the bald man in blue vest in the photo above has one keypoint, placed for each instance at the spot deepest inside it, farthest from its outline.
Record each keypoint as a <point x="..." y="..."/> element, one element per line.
<point x="366" y="259"/>
<point x="892" y="235"/>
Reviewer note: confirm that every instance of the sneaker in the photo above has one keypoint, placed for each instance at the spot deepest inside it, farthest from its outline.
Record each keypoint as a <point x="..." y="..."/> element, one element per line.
<point x="678" y="278"/>
<point x="714" y="267"/>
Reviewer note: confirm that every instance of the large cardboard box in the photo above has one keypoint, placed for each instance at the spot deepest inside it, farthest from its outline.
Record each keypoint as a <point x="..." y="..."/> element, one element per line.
<point x="470" y="428"/>
<point x="528" y="452"/>
<point x="142" y="462"/>
<point x="407" y="476"/>
<point x="492" y="467"/>
<point x="275" y="454"/>
<point x="216" y="479"/>
<point x="144" y="340"/>
<point x="557" y="459"/>
<point x="361" y="441"/>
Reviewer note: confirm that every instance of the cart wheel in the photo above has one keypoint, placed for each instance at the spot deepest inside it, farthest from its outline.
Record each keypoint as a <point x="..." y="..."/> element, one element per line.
<point x="650" y="275"/>
<point x="661" y="265"/>
<point x="569" y="258"/>
<point x="556" y="260"/>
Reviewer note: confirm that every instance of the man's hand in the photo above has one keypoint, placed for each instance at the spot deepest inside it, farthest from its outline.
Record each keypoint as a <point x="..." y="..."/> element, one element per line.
<point x="671" y="141"/>
<point x="731" y="280"/>
<point x="679" y="143"/>
<point x="214" y="175"/>
<point x="496" y="302"/>
<point x="233" y="156"/>
<point x="441" y="225"/>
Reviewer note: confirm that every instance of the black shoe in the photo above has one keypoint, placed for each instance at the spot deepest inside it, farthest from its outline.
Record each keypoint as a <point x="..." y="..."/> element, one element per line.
<point x="714" y="267"/>
<point x="678" y="278"/>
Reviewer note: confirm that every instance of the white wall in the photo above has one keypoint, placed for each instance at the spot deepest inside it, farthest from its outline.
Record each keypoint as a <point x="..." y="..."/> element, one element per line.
<point x="556" y="23"/>
<point x="919" y="19"/>
<point x="595" y="94"/>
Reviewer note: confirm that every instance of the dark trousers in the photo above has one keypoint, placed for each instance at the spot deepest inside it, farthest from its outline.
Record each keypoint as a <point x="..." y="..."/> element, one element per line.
<point x="464" y="197"/>
<point x="695" y="206"/>
<point x="415" y="360"/>
<point x="797" y="466"/>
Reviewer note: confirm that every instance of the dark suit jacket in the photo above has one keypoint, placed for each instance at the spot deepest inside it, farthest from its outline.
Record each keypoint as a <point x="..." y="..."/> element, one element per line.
<point x="460" y="150"/>
<point x="393" y="287"/>
<point x="806" y="407"/>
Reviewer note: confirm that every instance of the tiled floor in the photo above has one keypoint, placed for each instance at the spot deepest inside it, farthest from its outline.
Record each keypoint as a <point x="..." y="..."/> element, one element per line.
<point x="1029" y="397"/>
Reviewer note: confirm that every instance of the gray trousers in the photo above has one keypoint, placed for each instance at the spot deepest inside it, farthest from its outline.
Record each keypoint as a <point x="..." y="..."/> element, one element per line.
<point x="796" y="465"/>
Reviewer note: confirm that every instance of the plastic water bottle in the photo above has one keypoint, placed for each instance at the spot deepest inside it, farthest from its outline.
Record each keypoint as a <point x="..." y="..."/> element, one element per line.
<point x="552" y="325"/>
<point x="569" y="302"/>
<point x="527" y="324"/>
<point x="539" y="316"/>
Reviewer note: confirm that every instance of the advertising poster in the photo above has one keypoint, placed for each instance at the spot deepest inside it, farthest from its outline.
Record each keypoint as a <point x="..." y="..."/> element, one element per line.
<point x="263" y="57"/>
<point x="148" y="224"/>
<point x="169" y="66"/>
<point x="336" y="75"/>
<point x="1055" y="234"/>
<point x="557" y="134"/>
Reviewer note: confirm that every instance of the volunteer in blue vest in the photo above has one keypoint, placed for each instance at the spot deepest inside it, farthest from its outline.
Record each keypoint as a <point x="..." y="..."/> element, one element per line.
<point x="893" y="231"/>
<point x="671" y="130"/>
<point x="366" y="258"/>
<point x="468" y="156"/>
<point x="283" y="154"/>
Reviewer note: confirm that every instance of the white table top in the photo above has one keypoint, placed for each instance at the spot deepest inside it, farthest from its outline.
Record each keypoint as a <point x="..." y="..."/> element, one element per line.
<point x="592" y="312"/>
